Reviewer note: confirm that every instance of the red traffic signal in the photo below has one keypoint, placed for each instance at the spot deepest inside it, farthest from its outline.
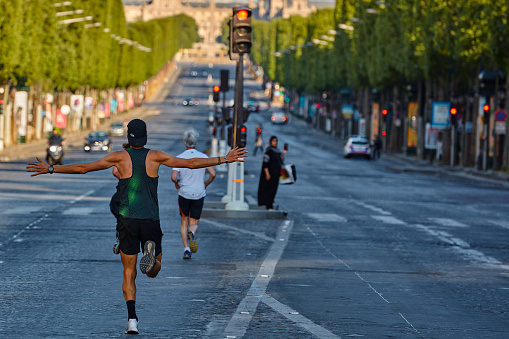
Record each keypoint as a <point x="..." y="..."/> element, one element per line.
<point x="243" y="129"/>
<point x="486" y="108"/>
<point x="1" y="102"/>
<point x="454" y="111"/>
<point x="242" y="14"/>
<point x="216" y="89"/>
<point x="384" y="112"/>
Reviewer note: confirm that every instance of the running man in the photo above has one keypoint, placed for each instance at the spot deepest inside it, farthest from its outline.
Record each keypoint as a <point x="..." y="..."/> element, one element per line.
<point x="139" y="209"/>
<point x="191" y="184"/>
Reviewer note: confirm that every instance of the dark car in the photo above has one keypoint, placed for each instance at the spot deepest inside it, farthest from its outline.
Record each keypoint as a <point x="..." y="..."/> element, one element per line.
<point x="97" y="141"/>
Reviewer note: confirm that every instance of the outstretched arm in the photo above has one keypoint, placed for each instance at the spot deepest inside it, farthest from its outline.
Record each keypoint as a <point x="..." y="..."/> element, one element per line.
<point x="234" y="155"/>
<point x="42" y="167"/>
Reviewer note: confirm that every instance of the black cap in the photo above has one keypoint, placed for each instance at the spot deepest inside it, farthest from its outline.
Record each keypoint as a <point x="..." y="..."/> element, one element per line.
<point x="137" y="133"/>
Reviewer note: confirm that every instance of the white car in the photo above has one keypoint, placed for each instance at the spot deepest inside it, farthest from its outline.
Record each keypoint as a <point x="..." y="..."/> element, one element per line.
<point x="279" y="118"/>
<point x="357" y="145"/>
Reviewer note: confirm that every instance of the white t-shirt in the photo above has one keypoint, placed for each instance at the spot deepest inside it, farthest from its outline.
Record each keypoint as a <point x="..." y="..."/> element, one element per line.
<point x="191" y="181"/>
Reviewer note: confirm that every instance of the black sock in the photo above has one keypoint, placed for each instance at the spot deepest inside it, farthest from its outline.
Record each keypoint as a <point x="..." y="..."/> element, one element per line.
<point x="131" y="310"/>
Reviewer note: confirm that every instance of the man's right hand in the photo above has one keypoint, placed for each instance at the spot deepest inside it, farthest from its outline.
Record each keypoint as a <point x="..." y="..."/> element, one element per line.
<point x="236" y="154"/>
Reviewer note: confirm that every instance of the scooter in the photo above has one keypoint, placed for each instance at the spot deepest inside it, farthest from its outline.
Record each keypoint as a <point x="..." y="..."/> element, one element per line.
<point x="55" y="154"/>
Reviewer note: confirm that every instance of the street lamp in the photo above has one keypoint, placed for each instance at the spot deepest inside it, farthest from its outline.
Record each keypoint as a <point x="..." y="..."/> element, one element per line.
<point x="346" y="27"/>
<point x="71" y="21"/>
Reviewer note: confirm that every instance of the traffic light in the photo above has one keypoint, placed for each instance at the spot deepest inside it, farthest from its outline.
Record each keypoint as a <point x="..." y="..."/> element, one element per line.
<point x="454" y="116"/>
<point x="486" y="108"/>
<point x="1" y="106"/>
<point x="216" y="90"/>
<point x="240" y="30"/>
<point x="229" y="138"/>
<point x="225" y="74"/>
<point x="245" y="114"/>
<point x="384" y="115"/>
<point x="258" y="131"/>
<point x="242" y="136"/>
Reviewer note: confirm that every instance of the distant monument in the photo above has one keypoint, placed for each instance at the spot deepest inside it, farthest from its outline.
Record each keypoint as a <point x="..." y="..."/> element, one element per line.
<point x="210" y="15"/>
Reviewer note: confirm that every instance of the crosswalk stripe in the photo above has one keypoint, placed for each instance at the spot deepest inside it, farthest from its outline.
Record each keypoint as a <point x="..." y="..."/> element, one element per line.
<point x="326" y="217"/>
<point x="22" y="210"/>
<point x="78" y="211"/>
<point x="500" y="223"/>
<point x="388" y="219"/>
<point x="447" y="222"/>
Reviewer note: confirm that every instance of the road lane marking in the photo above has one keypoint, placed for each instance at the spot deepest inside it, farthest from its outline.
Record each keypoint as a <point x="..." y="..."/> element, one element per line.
<point x="500" y="223"/>
<point x="353" y="271"/>
<point x="22" y="210"/>
<point x="78" y="211"/>
<point x="81" y="197"/>
<point x="447" y="222"/>
<point x="300" y="320"/>
<point x="239" y="322"/>
<point x="239" y="230"/>
<point x="326" y="217"/>
<point x="371" y="207"/>
<point x="388" y="219"/>
<point x="16" y="236"/>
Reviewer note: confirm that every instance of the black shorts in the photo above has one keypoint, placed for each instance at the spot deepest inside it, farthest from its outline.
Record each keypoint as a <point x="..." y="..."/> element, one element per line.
<point x="133" y="233"/>
<point x="190" y="208"/>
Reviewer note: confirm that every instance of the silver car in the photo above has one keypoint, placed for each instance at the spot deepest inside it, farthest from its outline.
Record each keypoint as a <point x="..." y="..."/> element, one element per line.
<point x="117" y="128"/>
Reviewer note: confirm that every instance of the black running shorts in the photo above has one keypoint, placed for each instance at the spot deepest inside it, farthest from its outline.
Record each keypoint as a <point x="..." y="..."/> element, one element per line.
<point x="133" y="233"/>
<point x="190" y="208"/>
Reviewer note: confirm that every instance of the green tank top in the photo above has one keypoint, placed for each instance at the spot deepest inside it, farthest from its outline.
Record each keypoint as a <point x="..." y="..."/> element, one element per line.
<point x="138" y="194"/>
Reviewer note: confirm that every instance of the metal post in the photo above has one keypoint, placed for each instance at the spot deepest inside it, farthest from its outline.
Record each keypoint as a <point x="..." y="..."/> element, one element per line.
<point x="453" y="141"/>
<point x="237" y="202"/>
<point x="486" y="141"/>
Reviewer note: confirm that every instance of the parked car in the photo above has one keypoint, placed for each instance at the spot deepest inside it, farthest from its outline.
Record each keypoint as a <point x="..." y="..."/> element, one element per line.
<point x="279" y="118"/>
<point x="357" y="145"/>
<point x="117" y="128"/>
<point x="97" y="141"/>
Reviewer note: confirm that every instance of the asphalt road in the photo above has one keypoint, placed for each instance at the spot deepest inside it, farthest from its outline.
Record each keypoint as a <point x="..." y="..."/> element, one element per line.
<point x="365" y="251"/>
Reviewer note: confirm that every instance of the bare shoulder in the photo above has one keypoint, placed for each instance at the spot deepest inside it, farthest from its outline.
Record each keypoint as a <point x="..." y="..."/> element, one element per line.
<point x="158" y="156"/>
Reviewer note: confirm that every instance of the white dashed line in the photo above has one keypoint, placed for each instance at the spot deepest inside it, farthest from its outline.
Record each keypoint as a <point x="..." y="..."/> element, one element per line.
<point x="326" y="217"/>
<point x="388" y="219"/>
<point x="447" y="222"/>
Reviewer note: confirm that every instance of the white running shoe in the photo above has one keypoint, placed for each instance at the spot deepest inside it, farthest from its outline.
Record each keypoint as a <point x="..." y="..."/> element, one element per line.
<point x="132" y="327"/>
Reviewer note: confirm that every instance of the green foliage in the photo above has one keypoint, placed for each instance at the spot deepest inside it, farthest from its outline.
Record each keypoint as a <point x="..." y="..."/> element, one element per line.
<point x="403" y="42"/>
<point x="37" y="46"/>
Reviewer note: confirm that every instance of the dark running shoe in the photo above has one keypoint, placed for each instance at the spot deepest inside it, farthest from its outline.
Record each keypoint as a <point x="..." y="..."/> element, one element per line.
<point x="149" y="259"/>
<point x="187" y="255"/>
<point x="193" y="245"/>
<point x="116" y="246"/>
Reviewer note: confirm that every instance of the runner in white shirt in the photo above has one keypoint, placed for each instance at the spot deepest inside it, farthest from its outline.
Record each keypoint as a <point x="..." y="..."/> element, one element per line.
<point x="191" y="184"/>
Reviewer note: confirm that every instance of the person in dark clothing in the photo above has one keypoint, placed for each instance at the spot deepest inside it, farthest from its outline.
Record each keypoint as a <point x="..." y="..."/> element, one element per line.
<point x="269" y="176"/>
<point x="138" y="223"/>
<point x="377" y="143"/>
<point x="55" y="138"/>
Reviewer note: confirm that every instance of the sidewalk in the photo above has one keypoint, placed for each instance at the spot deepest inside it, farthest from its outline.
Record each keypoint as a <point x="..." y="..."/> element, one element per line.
<point x="37" y="148"/>
<point x="405" y="163"/>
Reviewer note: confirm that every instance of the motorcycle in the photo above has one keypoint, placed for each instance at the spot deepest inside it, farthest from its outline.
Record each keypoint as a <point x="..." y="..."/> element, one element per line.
<point x="55" y="154"/>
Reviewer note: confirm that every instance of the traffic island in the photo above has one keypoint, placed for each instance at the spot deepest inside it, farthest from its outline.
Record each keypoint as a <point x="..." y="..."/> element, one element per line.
<point x="218" y="210"/>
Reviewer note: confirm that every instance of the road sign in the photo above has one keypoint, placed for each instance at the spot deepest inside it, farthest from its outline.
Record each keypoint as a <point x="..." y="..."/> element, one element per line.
<point x="501" y="116"/>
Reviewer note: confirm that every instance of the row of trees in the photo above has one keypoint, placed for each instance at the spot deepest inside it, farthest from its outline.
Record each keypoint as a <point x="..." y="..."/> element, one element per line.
<point x="392" y="52"/>
<point x="41" y="45"/>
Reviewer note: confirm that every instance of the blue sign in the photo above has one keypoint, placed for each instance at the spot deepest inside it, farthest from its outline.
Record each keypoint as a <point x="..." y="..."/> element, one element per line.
<point x="440" y="114"/>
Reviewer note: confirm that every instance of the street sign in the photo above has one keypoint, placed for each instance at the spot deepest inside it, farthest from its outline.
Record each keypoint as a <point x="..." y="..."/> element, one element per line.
<point x="501" y="116"/>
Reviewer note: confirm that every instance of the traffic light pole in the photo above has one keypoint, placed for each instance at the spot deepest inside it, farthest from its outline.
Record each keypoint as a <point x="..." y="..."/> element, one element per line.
<point x="237" y="168"/>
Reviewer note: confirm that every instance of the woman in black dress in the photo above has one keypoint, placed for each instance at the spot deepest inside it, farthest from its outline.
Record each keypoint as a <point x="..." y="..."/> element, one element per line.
<point x="269" y="177"/>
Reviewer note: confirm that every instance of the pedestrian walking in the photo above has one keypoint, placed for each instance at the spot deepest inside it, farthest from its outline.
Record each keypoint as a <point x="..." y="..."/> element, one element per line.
<point x="377" y="143"/>
<point x="139" y="223"/>
<point x="269" y="177"/>
<point x="191" y="184"/>
<point x="258" y="140"/>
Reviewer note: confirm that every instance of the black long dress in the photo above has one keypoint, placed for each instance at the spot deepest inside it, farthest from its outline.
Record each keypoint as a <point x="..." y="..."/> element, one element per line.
<point x="267" y="189"/>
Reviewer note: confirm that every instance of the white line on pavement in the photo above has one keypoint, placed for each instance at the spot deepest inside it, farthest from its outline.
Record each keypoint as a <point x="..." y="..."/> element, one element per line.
<point x="500" y="223"/>
<point x="447" y="222"/>
<point x="240" y="230"/>
<point x="238" y="324"/>
<point x="326" y="217"/>
<point x="294" y="316"/>
<point x="388" y="219"/>
<point x="81" y="197"/>
<point x="371" y="207"/>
